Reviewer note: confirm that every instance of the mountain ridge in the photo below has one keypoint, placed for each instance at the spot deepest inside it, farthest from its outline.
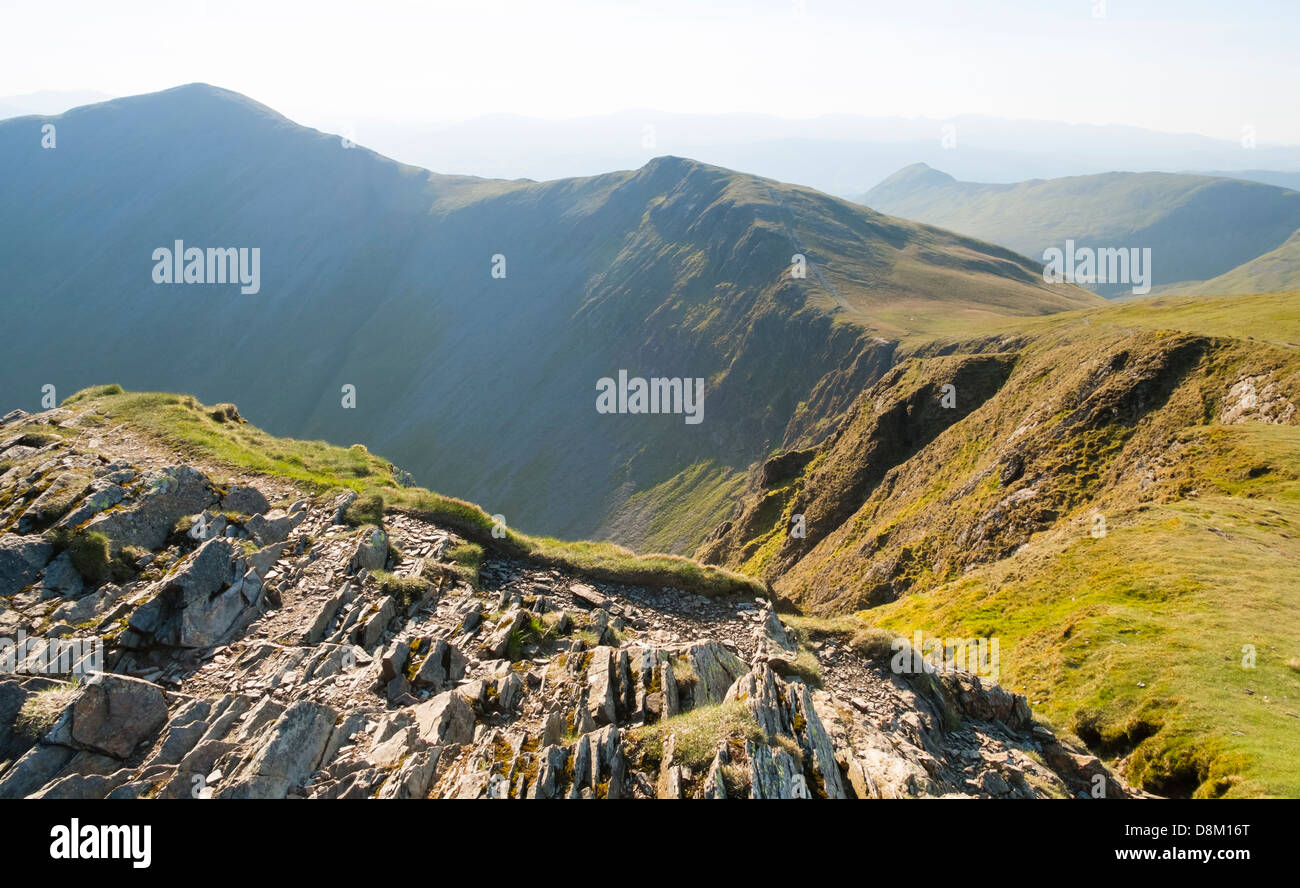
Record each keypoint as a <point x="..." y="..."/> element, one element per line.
<point x="379" y="275"/>
<point x="1197" y="227"/>
<point x="1111" y="493"/>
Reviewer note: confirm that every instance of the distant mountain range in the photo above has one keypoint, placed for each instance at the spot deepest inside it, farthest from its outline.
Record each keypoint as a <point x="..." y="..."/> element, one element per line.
<point x="1197" y="227"/>
<point x="837" y="154"/>
<point x="473" y="316"/>
<point x="840" y="154"/>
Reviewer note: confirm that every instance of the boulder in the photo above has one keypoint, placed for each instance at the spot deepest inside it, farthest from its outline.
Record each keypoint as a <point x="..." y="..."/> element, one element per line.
<point x="760" y="690"/>
<point x="61" y="580"/>
<point x="201" y="601"/>
<point x="288" y="756"/>
<point x="83" y="786"/>
<point x="442" y="668"/>
<point x="588" y="596"/>
<point x="54" y="502"/>
<point x="775" y="644"/>
<point x="245" y="500"/>
<point x="773" y="774"/>
<point x="716" y="669"/>
<point x="447" y="718"/>
<point x="85" y="608"/>
<point x="103" y="494"/>
<point x="169" y="495"/>
<point x="273" y="528"/>
<point x="376" y="623"/>
<point x="112" y="714"/>
<point x="509" y="692"/>
<point x="372" y="550"/>
<point x="37" y="767"/>
<point x="816" y="743"/>
<point x="498" y="643"/>
<point x="21" y="559"/>
<point x="413" y="777"/>
<point x="602" y="687"/>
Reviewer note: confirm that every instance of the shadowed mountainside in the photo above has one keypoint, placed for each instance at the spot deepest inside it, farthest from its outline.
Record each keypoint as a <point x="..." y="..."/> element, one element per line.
<point x="379" y="276"/>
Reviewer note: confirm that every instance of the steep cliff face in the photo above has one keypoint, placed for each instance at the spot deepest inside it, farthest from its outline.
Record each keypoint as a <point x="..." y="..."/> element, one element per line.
<point x="265" y="639"/>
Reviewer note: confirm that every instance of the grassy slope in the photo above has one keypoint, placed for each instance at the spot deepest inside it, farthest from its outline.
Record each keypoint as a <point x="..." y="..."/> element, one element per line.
<point x="1197" y="226"/>
<point x="1263" y="317"/>
<point x="674" y="515"/>
<point x="1133" y="640"/>
<point x="182" y="422"/>
<point x="1276" y="270"/>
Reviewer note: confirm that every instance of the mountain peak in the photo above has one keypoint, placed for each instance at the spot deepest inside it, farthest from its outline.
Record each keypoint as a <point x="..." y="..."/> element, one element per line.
<point x="186" y="100"/>
<point x="916" y="175"/>
<point x="671" y="164"/>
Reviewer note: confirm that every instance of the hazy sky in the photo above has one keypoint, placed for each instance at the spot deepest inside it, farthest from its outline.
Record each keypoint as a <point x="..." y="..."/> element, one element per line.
<point x="1204" y="66"/>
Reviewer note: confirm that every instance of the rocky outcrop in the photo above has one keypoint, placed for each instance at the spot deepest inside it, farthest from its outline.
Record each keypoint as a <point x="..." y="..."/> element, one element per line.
<point x="277" y="653"/>
<point x="165" y="497"/>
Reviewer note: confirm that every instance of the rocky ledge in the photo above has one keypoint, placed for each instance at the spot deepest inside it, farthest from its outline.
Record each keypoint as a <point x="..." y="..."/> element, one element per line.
<point x="257" y="643"/>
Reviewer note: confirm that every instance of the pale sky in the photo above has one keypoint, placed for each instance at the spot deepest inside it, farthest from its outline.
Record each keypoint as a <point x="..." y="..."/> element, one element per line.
<point x="1202" y="66"/>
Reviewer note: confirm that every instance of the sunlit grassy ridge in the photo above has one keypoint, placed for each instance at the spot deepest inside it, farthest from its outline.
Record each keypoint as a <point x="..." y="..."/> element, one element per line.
<point x="183" y="422"/>
<point x="672" y="515"/>
<point x="1136" y="641"/>
<point x="1266" y="317"/>
<point x="1171" y="419"/>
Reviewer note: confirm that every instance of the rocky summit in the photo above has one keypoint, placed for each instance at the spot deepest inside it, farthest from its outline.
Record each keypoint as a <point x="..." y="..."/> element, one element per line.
<point x="183" y="627"/>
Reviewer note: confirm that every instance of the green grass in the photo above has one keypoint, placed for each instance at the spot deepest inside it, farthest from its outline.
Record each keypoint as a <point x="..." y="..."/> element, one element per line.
<point x="42" y="709"/>
<point x="89" y="552"/>
<point x="698" y="733"/>
<point x="852" y="630"/>
<point x="671" y="515"/>
<point x="365" y="509"/>
<point x="468" y="558"/>
<point x="406" y="590"/>
<point x="183" y="422"/>
<point x="1135" y="641"/>
<point x="534" y="630"/>
<point x="1274" y="271"/>
<point x="1264" y="317"/>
